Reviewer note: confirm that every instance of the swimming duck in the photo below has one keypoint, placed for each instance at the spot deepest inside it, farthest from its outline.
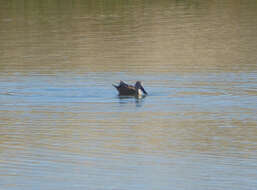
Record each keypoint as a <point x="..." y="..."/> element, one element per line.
<point x="130" y="90"/>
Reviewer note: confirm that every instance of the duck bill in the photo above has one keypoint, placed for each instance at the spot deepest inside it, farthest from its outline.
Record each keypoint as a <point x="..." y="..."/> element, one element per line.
<point x="142" y="88"/>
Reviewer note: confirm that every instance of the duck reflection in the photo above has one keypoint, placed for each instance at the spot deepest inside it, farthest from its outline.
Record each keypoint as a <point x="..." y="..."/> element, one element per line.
<point x="137" y="100"/>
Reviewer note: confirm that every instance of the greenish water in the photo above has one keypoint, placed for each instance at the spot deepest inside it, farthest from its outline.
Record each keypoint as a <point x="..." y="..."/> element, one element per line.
<point x="62" y="125"/>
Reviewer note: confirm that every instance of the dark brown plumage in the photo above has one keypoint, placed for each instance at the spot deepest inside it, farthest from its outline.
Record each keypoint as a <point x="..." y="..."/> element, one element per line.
<point x="130" y="90"/>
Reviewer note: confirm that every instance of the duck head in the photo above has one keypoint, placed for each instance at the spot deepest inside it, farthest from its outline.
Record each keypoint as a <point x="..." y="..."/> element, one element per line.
<point x="140" y="88"/>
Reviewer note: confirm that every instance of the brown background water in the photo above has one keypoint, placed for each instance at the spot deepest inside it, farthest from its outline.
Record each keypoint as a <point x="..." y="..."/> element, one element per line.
<point x="62" y="125"/>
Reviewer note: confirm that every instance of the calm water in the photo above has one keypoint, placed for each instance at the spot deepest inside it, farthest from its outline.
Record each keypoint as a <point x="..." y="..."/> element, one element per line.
<point x="62" y="125"/>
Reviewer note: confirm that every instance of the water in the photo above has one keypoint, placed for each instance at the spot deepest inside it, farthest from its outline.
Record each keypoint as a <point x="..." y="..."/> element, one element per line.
<point x="62" y="125"/>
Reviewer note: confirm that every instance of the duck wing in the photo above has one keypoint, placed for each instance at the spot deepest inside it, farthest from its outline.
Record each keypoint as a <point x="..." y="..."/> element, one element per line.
<point x="127" y="90"/>
<point x="121" y="85"/>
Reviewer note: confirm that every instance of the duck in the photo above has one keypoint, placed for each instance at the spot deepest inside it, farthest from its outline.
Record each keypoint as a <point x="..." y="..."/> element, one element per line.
<point x="125" y="89"/>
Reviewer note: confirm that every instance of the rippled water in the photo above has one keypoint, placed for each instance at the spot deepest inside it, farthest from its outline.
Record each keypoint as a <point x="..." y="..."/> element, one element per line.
<point x="62" y="125"/>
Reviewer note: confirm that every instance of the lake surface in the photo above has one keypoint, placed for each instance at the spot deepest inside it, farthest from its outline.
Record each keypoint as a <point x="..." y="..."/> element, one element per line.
<point x="62" y="125"/>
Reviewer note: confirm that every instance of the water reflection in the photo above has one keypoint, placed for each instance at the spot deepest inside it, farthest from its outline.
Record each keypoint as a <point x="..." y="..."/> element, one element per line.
<point x="62" y="125"/>
<point x="137" y="100"/>
<point x="165" y="36"/>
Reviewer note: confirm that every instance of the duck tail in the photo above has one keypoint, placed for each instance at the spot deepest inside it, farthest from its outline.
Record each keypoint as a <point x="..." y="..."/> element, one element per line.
<point x="115" y="86"/>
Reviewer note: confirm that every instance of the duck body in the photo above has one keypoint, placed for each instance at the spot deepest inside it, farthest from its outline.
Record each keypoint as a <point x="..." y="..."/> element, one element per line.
<point x="130" y="90"/>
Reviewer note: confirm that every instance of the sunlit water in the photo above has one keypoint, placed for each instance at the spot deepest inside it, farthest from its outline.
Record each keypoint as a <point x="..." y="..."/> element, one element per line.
<point x="62" y="125"/>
